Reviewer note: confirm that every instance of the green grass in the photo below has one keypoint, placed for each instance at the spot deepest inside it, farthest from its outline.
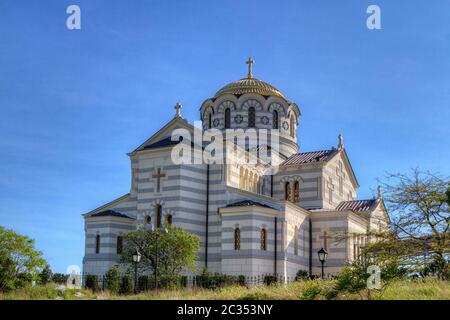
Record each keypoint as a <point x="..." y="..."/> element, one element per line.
<point x="430" y="289"/>
<point x="47" y="292"/>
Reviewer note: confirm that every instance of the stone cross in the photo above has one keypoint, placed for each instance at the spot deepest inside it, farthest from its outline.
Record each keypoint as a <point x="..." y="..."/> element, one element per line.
<point x="158" y="177"/>
<point x="250" y="63"/>
<point x="380" y="192"/>
<point x="341" y="142"/>
<point x="330" y="186"/>
<point x="341" y="174"/>
<point x="178" y="107"/>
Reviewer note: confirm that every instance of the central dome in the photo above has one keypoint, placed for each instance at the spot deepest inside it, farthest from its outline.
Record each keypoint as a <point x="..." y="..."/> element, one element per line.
<point x="250" y="85"/>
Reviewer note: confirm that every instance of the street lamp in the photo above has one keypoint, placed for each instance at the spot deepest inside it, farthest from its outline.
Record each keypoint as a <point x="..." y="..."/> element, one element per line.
<point x="136" y="260"/>
<point x="323" y="255"/>
<point x="158" y="232"/>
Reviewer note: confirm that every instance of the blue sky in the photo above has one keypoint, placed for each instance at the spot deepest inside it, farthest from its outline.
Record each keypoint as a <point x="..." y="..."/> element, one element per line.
<point x="73" y="103"/>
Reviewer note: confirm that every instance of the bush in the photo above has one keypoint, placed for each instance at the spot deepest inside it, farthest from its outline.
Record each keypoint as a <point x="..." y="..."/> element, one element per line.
<point x="311" y="291"/>
<point x="147" y="282"/>
<point x="59" y="278"/>
<point x="241" y="280"/>
<point x="126" y="285"/>
<point x="255" y="296"/>
<point x="213" y="281"/>
<point x="353" y="278"/>
<point x="91" y="282"/>
<point x="183" y="281"/>
<point x="270" y="280"/>
<point x="23" y="280"/>
<point x="46" y="275"/>
<point x="302" y="275"/>
<point x="112" y="280"/>
<point x="438" y="267"/>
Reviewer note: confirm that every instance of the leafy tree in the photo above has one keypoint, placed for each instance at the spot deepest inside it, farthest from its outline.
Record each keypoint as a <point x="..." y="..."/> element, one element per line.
<point x="46" y="275"/>
<point x="177" y="251"/>
<point x="112" y="280"/>
<point x="19" y="260"/>
<point x="59" y="278"/>
<point x="420" y="221"/>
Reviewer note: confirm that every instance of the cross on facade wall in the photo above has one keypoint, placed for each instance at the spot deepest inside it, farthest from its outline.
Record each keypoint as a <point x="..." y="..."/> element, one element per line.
<point x="341" y="175"/>
<point x="330" y="187"/>
<point x="324" y="239"/>
<point x="158" y="177"/>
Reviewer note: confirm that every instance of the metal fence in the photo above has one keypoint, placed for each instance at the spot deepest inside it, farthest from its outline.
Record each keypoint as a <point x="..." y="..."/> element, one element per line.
<point x="127" y="284"/>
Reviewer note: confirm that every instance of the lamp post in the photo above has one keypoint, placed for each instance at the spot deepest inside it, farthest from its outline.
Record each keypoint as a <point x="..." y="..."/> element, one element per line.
<point x="158" y="232"/>
<point x="323" y="255"/>
<point x="136" y="260"/>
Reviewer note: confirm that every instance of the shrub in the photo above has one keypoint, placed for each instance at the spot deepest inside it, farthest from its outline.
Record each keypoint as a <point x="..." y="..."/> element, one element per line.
<point x="241" y="280"/>
<point x="302" y="275"/>
<point x="270" y="280"/>
<point x="255" y="296"/>
<point x="126" y="285"/>
<point x="311" y="291"/>
<point x="213" y="281"/>
<point x="112" y="280"/>
<point x="183" y="281"/>
<point x="353" y="278"/>
<point x="23" y="280"/>
<point x="46" y="275"/>
<point x="91" y="282"/>
<point x="59" y="278"/>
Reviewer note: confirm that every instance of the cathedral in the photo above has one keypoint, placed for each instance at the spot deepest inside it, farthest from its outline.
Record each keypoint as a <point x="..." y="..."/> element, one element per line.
<point x="251" y="220"/>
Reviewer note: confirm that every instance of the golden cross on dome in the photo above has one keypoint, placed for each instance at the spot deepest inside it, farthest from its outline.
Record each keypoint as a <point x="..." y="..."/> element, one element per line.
<point x="250" y="63"/>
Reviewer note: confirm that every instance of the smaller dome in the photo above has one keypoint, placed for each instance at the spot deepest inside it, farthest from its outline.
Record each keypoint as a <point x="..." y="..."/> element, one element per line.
<point x="250" y="85"/>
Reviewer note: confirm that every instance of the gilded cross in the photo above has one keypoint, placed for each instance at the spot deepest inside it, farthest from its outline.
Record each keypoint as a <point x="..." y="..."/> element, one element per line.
<point x="158" y="177"/>
<point x="250" y="63"/>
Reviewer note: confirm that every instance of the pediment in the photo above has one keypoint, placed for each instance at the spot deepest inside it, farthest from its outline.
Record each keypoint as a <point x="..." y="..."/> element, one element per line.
<point x="166" y="132"/>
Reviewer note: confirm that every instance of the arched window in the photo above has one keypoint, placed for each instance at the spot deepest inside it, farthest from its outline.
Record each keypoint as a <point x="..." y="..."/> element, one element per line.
<point x="119" y="244"/>
<point x="263" y="239"/>
<point x="292" y="127"/>
<point x="251" y="117"/>
<point x="169" y="219"/>
<point x="287" y="191"/>
<point x="97" y="244"/>
<point x="296" y="241"/>
<point x="275" y="119"/>
<point x="237" y="239"/>
<point x="209" y="121"/>
<point x="227" y="118"/>
<point x="158" y="210"/>
<point x="296" y="191"/>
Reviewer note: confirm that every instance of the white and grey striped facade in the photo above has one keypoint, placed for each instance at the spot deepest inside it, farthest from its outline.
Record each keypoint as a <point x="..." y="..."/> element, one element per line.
<point x="214" y="201"/>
